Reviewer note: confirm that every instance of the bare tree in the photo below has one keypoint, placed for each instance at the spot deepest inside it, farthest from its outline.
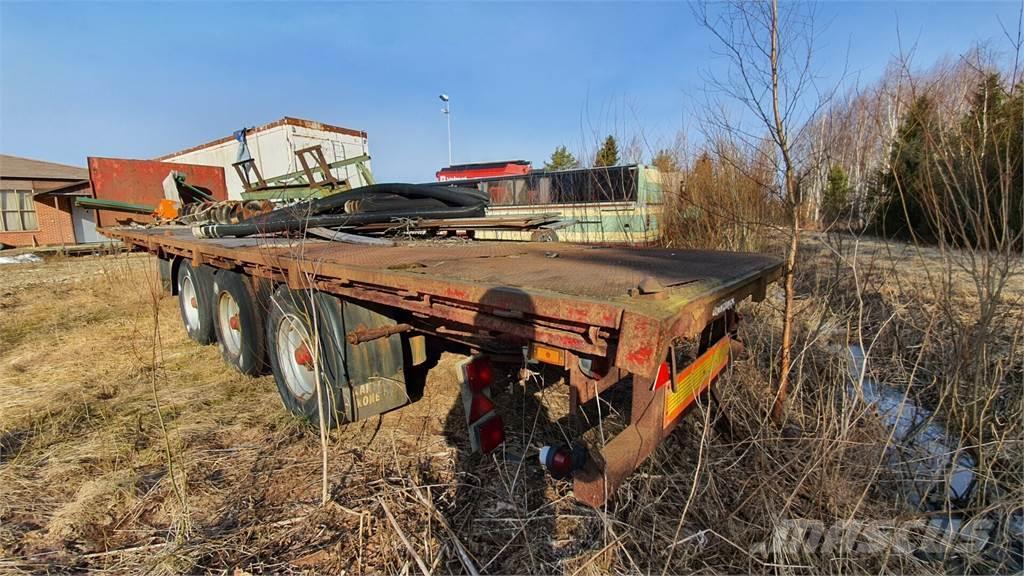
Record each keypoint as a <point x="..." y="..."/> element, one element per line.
<point x="769" y="49"/>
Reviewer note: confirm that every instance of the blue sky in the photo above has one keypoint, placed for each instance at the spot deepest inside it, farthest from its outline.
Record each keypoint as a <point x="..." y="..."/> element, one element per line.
<point x="138" y="80"/>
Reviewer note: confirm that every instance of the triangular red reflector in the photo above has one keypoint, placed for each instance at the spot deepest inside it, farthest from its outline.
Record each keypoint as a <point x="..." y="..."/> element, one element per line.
<point x="480" y="407"/>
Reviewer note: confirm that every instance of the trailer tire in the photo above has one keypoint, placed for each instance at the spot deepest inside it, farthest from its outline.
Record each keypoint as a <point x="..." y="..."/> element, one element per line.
<point x="195" y="290"/>
<point x="240" y="318"/>
<point x="289" y="347"/>
<point x="166" y="280"/>
<point x="544" y="236"/>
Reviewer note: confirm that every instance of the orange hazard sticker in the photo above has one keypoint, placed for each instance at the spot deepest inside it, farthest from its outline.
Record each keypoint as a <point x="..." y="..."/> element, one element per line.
<point x="694" y="379"/>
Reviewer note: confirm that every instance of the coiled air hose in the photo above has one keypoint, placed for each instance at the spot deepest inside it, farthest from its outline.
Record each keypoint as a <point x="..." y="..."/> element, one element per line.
<point x="374" y="204"/>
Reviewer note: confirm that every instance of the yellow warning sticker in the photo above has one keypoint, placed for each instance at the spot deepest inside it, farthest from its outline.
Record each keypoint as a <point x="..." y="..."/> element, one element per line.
<point x="694" y="379"/>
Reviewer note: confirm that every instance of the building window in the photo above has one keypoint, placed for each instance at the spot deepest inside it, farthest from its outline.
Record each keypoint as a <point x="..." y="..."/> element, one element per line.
<point x="17" y="211"/>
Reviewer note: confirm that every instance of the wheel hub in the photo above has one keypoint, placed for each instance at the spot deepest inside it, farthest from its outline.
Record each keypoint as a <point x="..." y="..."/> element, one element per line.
<point x="294" y="357"/>
<point x="303" y="357"/>
<point x="228" y="324"/>
<point x="189" y="303"/>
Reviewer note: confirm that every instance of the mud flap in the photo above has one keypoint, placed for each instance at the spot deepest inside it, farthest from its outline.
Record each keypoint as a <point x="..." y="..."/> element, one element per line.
<point x="369" y="376"/>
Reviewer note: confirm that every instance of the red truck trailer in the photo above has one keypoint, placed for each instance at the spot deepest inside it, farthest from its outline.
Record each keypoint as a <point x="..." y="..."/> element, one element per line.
<point x="358" y="326"/>
<point x="483" y="170"/>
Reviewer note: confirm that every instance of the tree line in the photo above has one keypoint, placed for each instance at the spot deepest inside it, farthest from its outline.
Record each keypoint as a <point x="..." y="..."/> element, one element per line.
<point x="608" y="155"/>
<point x="931" y="156"/>
<point x="928" y="155"/>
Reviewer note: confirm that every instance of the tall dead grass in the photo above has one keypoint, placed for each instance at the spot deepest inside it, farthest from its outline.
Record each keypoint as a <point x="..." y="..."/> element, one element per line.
<point x="942" y="325"/>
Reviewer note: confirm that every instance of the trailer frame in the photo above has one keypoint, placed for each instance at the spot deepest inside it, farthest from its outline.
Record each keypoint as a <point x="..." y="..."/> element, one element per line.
<point x="602" y="340"/>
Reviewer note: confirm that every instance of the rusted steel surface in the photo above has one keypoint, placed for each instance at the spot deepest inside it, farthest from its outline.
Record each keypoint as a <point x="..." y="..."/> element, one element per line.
<point x="652" y="420"/>
<point x="141" y="181"/>
<point x="570" y="296"/>
<point x="363" y="334"/>
<point x="582" y="299"/>
<point x="476" y="318"/>
<point x="485" y="223"/>
<point x="585" y="387"/>
<point x="622" y="454"/>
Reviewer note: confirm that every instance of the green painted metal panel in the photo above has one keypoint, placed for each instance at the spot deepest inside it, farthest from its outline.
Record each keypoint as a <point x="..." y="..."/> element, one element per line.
<point x="372" y="376"/>
<point x="649" y="185"/>
<point x="115" y="205"/>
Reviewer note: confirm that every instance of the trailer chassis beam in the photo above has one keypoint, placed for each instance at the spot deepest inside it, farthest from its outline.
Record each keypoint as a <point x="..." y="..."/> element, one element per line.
<point x="475" y="317"/>
<point x="651" y="421"/>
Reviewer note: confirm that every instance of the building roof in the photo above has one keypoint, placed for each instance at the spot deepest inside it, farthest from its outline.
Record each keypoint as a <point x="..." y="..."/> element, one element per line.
<point x="76" y="188"/>
<point x="488" y="164"/>
<point x="287" y="120"/>
<point x="541" y="172"/>
<point x="18" y="168"/>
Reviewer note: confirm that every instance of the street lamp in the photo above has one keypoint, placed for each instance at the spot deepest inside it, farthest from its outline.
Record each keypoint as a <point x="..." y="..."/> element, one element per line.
<point x="448" y="114"/>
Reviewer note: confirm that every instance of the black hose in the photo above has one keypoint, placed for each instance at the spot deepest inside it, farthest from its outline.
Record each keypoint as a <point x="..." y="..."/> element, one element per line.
<point x="335" y="203"/>
<point x="448" y="194"/>
<point x="397" y="203"/>
<point x="374" y="204"/>
<point x="249" y="228"/>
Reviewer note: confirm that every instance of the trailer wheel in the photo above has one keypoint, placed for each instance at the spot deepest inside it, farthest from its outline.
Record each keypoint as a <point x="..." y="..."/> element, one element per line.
<point x="291" y="351"/>
<point x="166" y="280"/>
<point x="195" y="288"/>
<point x="544" y="236"/>
<point x="240" y="316"/>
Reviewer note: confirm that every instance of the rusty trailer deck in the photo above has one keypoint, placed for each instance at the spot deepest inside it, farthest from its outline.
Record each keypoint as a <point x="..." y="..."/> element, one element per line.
<point x="617" y="305"/>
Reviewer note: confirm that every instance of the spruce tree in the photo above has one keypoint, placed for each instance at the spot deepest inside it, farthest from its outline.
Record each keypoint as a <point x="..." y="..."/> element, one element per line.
<point x="904" y="187"/>
<point x="989" y="168"/>
<point x="608" y="155"/>
<point x="561" y="159"/>
<point x="835" y="201"/>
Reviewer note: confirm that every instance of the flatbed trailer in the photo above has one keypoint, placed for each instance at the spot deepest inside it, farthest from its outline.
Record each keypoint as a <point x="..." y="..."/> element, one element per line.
<point x="602" y="314"/>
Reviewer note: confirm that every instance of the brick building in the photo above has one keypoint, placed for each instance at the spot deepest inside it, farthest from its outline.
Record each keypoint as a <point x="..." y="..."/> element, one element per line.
<point x="37" y="203"/>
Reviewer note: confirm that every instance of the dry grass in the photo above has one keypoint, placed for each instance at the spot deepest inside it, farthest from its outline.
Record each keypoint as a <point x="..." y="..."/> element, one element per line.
<point x="85" y="481"/>
<point x="84" y="478"/>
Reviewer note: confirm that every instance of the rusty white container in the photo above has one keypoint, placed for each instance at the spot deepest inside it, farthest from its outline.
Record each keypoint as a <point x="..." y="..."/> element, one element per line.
<point x="273" y="147"/>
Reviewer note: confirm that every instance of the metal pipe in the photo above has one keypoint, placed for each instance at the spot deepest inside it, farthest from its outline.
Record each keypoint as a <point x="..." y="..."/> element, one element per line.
<point x="114" y="205"/>
<point x="364" y="334"/>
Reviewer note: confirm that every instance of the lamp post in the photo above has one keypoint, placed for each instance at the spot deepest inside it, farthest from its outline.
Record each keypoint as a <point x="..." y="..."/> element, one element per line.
<point x="448" y="115"/>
